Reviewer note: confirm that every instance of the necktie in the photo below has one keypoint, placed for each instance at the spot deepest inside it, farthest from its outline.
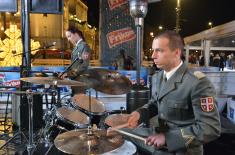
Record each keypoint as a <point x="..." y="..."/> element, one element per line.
<point x="164" y="80"/>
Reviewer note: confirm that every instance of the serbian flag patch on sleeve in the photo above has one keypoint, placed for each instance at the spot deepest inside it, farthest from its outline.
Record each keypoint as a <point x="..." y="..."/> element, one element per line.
<point x="207" y="104"/>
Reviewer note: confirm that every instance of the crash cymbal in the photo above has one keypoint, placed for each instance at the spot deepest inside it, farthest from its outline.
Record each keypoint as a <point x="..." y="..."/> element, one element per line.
<point x="52" y="81"/>
<point x="23" y="92"/>
<point x="81" y="101"/>
<point x="117" y="119"/>
<point x="79" y="142"/>
<point x="106" y="81"/>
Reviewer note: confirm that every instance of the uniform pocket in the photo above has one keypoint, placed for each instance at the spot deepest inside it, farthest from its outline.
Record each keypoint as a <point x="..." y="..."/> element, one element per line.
<point x="177" y="109"/>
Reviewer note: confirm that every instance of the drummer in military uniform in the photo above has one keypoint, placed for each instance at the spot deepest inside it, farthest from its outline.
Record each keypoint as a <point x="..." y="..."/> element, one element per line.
<point x="183" y="110"/>
<point x="80" y="55"/>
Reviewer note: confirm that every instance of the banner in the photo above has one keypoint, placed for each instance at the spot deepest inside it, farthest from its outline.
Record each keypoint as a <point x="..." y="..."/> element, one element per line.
<point x="120" y="36"/>
<point x="117" y="30"/>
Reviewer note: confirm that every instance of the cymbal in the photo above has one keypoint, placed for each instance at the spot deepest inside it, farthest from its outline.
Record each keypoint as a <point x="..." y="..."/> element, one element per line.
<point x="117" y="119"/>
<point x="79" y="142"/>
<point x="82" y="101"/>
<point x="52" y="81"/>
<point x="106" y="81"/>
<point x="23" y="92"/>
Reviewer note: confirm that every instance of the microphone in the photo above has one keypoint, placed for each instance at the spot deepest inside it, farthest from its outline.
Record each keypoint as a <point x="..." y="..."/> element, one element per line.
<point x="70" y="66"/>
<point x="42" y="48"/>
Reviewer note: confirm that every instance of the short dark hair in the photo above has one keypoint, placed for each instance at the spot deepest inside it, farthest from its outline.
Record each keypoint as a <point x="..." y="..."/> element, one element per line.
<point x="73" y="29"/>
<point x="175" y="40"/>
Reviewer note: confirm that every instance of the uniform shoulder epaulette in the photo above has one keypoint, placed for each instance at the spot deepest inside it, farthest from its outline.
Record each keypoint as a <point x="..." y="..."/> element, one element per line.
<point x="199" y="74"/>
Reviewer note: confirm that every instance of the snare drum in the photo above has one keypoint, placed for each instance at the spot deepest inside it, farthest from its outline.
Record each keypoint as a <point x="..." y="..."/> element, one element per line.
<point x="71" y="119"/>
<point x="128" y="148"/>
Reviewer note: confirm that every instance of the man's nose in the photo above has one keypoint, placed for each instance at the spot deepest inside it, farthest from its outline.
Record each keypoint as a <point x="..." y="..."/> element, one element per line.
<point x="154" y="55"/>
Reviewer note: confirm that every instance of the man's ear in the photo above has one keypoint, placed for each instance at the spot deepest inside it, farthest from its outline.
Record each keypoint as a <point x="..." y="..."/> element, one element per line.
<point x="178" y="52"/>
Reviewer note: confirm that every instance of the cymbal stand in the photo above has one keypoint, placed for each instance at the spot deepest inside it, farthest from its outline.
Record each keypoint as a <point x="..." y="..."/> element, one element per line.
<point x="89" y="130"/>
<point x="19" y="132"/>
<point x="30" y="145"/>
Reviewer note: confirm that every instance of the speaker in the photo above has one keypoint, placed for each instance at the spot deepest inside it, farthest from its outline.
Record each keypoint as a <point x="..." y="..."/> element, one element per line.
<point x="47" y="6"/>
<point x="8" y="5"/>
<point x="37" y="112"/>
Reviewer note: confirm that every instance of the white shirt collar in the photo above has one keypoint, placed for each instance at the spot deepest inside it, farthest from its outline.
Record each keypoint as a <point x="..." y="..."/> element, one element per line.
<point x="78" y="41"/>
<point x="170" y="73"/>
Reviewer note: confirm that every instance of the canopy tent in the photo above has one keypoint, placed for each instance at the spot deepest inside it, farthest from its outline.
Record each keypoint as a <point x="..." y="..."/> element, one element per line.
<point x="219" y="38"/>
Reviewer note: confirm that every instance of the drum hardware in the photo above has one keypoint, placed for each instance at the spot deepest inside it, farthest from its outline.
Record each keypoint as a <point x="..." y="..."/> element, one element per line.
<point x="85" y="141"/>
<point x="29" y="93"/>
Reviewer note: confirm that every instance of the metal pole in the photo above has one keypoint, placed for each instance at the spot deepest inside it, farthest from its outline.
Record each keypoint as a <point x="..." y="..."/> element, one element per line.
<point x="25" y="31"/>
<point x="178" y="9"/>
<point x="138" y="52"/>
<point x="30" y="108"/>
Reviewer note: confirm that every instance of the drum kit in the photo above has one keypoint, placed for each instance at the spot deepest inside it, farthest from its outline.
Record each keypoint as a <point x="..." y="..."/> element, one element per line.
<point x="75" y="133"/>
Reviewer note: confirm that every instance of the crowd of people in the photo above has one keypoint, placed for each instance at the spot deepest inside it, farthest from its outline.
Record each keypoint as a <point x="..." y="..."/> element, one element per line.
<point x="220" y="60"/>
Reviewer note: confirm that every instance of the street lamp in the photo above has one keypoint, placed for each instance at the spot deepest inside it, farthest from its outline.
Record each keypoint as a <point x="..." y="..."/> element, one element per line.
<point x="151" y="34"/>
<point x="210" y="24"/>
<point x="178" y="11"/>
<point x="160" y="27"/>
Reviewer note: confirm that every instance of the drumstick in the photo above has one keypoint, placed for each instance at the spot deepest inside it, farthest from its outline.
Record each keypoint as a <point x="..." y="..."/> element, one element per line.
<point x="129" y="134"/>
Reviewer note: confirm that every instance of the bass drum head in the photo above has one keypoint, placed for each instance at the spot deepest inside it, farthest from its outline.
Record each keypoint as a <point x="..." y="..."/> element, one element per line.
<point x="127" y="148"/>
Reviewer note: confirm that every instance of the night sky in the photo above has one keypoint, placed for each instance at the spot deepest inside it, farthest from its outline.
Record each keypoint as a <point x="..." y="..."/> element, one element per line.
<point x="195" y="14"/>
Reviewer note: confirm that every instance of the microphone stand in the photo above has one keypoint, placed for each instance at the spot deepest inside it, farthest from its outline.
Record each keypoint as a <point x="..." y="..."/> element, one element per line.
<point x="69" y="67"/>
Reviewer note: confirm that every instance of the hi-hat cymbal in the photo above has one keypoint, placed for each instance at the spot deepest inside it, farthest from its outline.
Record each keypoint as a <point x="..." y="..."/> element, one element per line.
<point x="81" y="101"/>
<point x="52" y="81"/>
<point x="106" y="81"/>
<point x="117" y="119"/>
<point x="79" y="142"/>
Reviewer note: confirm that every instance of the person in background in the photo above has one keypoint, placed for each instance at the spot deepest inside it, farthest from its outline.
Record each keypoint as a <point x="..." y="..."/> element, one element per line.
<point x="182" y="111"/>
<point x="123" y="62"/>
<point x="80" y="55"/>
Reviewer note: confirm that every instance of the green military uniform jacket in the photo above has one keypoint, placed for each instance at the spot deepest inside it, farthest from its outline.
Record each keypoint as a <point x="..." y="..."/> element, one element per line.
<point x="82" y="64"/>
<point x="183" y="112"/>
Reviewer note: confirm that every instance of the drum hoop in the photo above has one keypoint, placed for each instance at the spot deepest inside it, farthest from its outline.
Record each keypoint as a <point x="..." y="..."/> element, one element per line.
<point x="86" y="111"/>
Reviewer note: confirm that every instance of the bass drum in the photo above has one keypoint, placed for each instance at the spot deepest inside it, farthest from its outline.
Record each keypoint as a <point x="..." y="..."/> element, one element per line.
<point x="128" y="148"/>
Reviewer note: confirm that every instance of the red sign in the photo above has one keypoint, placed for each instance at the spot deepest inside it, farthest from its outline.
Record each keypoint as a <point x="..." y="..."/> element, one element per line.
<point x="207" y="104"/>
<point x="120" y="36"/>
<point x="116" y="3"/>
